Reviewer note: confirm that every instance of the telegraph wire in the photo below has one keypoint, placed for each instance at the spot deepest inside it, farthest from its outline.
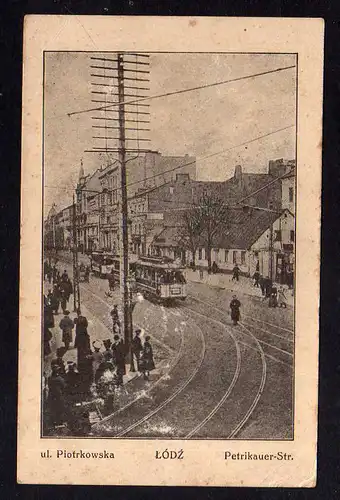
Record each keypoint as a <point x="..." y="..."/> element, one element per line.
<point x="182" y="91"/>
<point x="144" y="192"/>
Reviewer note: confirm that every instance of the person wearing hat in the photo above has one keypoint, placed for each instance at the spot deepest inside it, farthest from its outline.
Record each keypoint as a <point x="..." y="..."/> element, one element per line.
<point x="115" y="319"/>
<point x="107" y="353"/>
<point x="97" y="357"/>
<point x="58" y="361"/>
<point x="136" y="349"/>
<point x="147" y="358"/>
<point x="82" y="338"/>
<point x="235" y="305"/>
<point x="66" y="325"/>
<point x="118" y="351"/>
<point x="55" y="299"/>
<point x="56" y="397"/>
<point x="72" y="379"/>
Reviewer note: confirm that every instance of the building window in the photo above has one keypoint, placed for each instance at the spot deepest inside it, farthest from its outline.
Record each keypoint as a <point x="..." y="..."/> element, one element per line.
<point x="278" y="235"/>
<point x="291" y="194"/>
<point x="292" y="235"/>
<point x="200" y="253"/>
<point x="171" y="190"/>
<point x="243" y="258"/>
<point x="234" y="257"/>
<point x="226" y="255"/>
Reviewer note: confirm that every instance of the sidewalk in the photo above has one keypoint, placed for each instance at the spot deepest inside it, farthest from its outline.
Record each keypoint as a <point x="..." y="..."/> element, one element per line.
<point x="224" y="281"/>
<point x="97" y="331"/>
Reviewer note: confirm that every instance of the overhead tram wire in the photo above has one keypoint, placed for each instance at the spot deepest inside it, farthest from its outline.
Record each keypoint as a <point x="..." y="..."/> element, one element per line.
<point x="176" y="92"/>
<point x="191" y="163"/>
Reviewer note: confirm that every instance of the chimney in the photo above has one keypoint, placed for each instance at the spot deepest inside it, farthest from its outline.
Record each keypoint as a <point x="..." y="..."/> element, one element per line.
<point x="182" y="177"/>
<point x="238" y="172"/>
<point x="277" y="168"/>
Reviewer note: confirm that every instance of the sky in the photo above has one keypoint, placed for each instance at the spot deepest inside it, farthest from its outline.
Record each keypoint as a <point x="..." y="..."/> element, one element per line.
<point x="199" y="123"/>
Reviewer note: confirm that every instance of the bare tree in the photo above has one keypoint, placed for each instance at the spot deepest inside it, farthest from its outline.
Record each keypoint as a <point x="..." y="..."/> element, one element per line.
<point x="190" y="231"/>
<point x="212" y="213"/>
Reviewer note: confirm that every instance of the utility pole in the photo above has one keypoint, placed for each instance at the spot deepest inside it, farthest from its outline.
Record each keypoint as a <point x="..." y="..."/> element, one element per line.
<point x="76" y="288"/>
<point x="271" y="253"/>
<point x="119" y="127"/>
<point x="124" y="250"/>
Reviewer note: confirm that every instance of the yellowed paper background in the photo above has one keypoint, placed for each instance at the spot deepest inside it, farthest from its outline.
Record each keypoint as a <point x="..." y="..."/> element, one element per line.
<point x="204" y="463"/>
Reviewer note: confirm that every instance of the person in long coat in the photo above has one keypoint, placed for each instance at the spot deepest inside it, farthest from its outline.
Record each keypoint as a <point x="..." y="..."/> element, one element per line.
<point x="236" y="273"/>
<point x="55" y="299"/>
<point x="47" y="340"/>
<point x="58" y="361"/>
<point x="66" y="325"/>
<point x="147" y="362"/>
<point x="235" y="305"/>
<point x="118" y="351"/>
<point x="82" y="339"/>
<point x="56" y="397"/>
<point x="136" y="348"/>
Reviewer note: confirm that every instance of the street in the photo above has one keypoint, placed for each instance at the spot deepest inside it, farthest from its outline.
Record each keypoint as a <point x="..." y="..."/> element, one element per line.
<point x="212" y="379"/>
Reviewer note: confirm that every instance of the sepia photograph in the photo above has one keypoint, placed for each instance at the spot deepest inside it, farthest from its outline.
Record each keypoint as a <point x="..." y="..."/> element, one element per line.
<point x="168" y="245"/>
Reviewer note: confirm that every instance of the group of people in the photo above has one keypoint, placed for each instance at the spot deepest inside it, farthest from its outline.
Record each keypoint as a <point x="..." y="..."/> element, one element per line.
<point x="61" y="292"/>
<point x="100" y="367"/>
<point x="276" y="296"/>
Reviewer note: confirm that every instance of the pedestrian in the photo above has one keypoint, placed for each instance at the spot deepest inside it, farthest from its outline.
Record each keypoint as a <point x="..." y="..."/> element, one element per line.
<point x="235" y="305"/>
<point x="97" y="357"/>
<point x="136" y="349"/>
<point x="262" y="285"/>
<point x="72" y="379"/>
<point x="55" y="299"/>
<point x="54" y="274"/>
<point x="272" y="300"/>
<point x="66" y="325"/>
<point x="86" y="374"/>
<point x="214" y="268"/>
<point x="87" y="274"/>
<point x="63" y="298"/>
<point x="282" y="299"/>
<point x="111" y="280"/>
<point x="56" y="397"/>
<point x="64" y="276"/>
<point x="115" y="319"/>
<point x="49" y="274"/>
<point x="82" y="339"/>
<point x="268" y="287"/>
<point x="256" y="279"/>
<point x="68" y="289"/>
<point x="46" y="269"/>
<point x="108" y="356"/>
<point x="147" y="364"/>
<point x="118" y="351"/>
<point x="59" y="361"/>
<point x="236" y="273"/>
<point x="48" y="311"/>
<point x="47" y="339"/>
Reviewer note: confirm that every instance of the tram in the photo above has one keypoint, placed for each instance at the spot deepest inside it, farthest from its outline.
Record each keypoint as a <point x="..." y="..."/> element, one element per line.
<point x="102" y="263"/>
<point x="160" y="278"/>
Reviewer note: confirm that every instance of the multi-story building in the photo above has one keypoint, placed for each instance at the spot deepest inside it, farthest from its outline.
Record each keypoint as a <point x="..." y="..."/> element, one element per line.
<point x="153" y="169"/>
<point x="288" y="190"/>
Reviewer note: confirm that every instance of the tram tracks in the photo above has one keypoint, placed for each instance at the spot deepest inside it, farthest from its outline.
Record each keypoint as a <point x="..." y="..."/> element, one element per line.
<point x="240" y="424"/>
<point x="155" y="412"/>
<point x="228" y="394"/>
<point x="280" y="351"/>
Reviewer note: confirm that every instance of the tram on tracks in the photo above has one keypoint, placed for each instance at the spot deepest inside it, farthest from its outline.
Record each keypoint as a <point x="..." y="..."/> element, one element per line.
<point x="157" y="278"/>
<point x="102" y="263"/>
<point x="160" y="279"/>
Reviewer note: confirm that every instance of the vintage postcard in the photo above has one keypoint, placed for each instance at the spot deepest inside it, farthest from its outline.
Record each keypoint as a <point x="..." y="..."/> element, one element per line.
<point x="170" y="251"/>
